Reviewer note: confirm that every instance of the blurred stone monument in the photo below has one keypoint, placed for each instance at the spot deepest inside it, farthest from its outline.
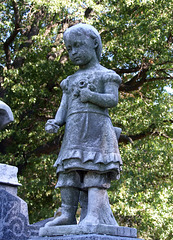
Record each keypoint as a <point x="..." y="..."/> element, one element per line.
<point x="13" y="210"/>
<point x="6" y="115"/>
<point x="14" y="222"/>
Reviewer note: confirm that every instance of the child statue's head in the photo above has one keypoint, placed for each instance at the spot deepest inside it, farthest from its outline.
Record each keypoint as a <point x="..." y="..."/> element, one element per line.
<point x="82" y="29"/>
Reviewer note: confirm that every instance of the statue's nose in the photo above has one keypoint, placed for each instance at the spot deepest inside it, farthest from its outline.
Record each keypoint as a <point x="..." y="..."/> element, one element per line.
<point x="74" y="51"/>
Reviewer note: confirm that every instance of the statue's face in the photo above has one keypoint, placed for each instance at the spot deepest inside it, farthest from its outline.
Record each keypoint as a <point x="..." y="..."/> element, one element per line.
<point x="81" y="49"/>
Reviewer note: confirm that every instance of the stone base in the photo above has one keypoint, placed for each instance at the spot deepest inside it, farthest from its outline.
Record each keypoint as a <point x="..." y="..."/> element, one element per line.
<point x="88" y="229"/>
<point x="85" y="237"/>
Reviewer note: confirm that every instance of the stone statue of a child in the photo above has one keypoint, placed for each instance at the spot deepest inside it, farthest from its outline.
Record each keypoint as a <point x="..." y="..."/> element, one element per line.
<point x="89" y="157"/>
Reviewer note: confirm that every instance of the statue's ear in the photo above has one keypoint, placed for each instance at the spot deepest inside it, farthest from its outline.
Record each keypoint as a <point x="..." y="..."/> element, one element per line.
<point x="95" y="43"/>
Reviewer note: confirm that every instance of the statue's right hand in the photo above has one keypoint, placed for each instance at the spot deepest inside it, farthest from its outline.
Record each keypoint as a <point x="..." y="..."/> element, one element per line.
<point x="51" y="126"/>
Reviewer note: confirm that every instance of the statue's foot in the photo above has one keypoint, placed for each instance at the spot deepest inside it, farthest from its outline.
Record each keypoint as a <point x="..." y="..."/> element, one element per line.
<point x="61" y="220"/>
<point x="90" y="220"/>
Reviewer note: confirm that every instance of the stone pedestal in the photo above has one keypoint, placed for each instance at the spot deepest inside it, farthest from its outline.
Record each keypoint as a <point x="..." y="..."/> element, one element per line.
<point x="89" y="232"/>
<point x="85" y="237"/>
<point x="88" y="229"/>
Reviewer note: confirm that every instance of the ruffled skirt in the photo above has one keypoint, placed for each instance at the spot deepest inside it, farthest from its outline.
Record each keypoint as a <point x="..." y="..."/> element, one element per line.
<point x="89" y="144"/>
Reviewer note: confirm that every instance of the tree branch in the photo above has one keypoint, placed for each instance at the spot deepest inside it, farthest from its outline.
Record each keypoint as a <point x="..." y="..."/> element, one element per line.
<point x="131" y="138"/>
<point x="140" y="78"/>
<point x="125" y="70"/>
<point x="87" y="12"/>
<point x="11" y="38"/>
<point x="47" y="148"/>
<point x="53" y="145"/>
<point x="134" y="83"/>
<point x="128" y="88"/>
<point x="158" y="78"/>
<point x="149" y="131"/>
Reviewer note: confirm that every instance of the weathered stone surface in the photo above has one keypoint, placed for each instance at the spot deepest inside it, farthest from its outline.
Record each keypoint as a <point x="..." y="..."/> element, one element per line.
<point x="8" y="175"/>
<point x="13" y="219"/>
<point x="34" y="228"/>
<point x="88" y="229"/>
<point x="14" y="222"/>
<point x="6" y="115"/>
<point x="89" y="158"/>
<point x="85" y="237"/>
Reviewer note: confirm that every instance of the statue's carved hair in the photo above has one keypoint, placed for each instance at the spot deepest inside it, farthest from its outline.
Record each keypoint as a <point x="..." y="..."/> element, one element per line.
<point x="88" y="30"/>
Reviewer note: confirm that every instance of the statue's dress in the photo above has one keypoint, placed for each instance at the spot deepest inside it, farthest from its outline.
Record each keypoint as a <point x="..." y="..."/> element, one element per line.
<point x="90" y="141"/>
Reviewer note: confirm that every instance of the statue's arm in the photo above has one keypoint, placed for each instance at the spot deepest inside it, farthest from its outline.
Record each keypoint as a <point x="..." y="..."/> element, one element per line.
<point x="53" y="125"/>
<point x="60" y="117"/>
<point x="107" y="99"/>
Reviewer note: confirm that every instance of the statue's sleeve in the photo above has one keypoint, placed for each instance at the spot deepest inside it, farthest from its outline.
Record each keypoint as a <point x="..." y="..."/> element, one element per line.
<point x="61" y="114"/>
<point x="64" y="85"/>
<point x="112" y="77"/>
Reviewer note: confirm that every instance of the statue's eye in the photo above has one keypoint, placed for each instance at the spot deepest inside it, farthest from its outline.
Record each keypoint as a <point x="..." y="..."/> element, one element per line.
<point x="77" y="44"/>
<point x="68" y="48"/>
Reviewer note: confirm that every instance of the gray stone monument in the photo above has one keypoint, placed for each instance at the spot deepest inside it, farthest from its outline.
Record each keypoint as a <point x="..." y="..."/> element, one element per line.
<point x="6" y="115"/>
<point x="89" y="158"/>
<point x="14" y="222"/>
<point x="13" y="210"/>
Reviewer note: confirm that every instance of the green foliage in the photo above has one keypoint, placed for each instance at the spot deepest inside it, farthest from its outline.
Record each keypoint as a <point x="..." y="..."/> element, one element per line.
<point x="137" y="43"/>
<point x="39" y="189"/>
<point x="143" y="197"/>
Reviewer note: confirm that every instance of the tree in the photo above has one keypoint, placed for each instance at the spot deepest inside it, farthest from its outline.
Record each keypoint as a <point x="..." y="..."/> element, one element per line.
<point x="137" y="43"/>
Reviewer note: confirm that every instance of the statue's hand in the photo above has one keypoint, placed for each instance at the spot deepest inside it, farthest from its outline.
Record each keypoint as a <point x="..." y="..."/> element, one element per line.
<point x="51" y="126"/>
<point x="85" y="94"/>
